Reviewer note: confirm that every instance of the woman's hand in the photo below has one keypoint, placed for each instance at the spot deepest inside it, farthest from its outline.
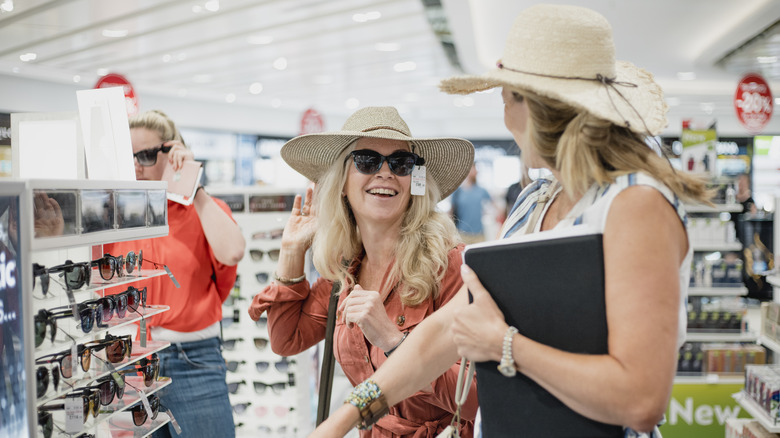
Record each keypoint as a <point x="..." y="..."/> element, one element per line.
<point x="478" y="329"/>
<point x="366" y="309"/>
<point x="48" y="220"/>
<point x="178" y="154"/>
<point x="300" y="228"/>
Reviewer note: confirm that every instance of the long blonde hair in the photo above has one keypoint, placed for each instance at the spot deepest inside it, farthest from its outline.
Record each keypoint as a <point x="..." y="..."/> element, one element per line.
<point x="421" y="253"/>
<point x="157" y="121"/>
<point x="586" y="149"/>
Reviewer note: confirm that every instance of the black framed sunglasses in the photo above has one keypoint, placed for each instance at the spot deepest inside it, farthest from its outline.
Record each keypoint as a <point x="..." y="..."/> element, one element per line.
<point x="46" y="422"/>
<point x="135" y="297"/>
<point x="277" y="387"/>
<point x="148" y="157"/>
<point x="107" y="388"/>
<point x="108" y="265"/>
<point x="111" y="304"/>
<point x="139" y="412"/>
<point x="65" y="360"/>
<point x="42" y="379"/>
<point x="401" y="163"/>
<point x="150" y="368"/>
<point x="76" y="275"/>
<point x="90" y="399"/>
<point x="117" y="347"/>
<point x="43" y="273"/>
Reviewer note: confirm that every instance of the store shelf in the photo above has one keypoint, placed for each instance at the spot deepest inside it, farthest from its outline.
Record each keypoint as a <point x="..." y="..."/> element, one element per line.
<point x="124" y="428"/>
<point x="718" y="208"/>
<point x="720" y="337"/>
<point x="716" y="291"/>
<point x="756" y="412"/>
<point x="709" y="379"/>
<point x="96" y="283"/>
<point x="717" y="246"/>
<point x="97" y="333"/>
<point x="769" y="343"/>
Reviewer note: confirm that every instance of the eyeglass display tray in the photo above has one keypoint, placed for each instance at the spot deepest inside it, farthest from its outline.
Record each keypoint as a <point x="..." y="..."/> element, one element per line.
<point x="113" y="412"/>
<point x="100" y="368"/>
<point x="61" y="344"/>
<point x="94" y="212"/>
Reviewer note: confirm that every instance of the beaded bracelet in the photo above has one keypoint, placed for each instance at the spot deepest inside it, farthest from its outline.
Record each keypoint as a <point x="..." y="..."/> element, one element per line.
<point x="370" y="401"/>
<point x="289" y="281"/>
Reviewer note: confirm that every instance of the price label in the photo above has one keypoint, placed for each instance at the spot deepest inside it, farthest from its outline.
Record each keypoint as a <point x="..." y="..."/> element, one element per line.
<point x="74" y="414"/>
<point x="418" y="181"/>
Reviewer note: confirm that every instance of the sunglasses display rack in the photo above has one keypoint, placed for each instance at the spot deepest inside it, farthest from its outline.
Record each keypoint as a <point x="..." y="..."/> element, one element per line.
<point x="71" y="221"/>
<point x="271" y="395"/>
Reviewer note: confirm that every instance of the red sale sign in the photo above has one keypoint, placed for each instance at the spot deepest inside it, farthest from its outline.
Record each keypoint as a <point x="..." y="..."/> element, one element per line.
<point x="116" y="80"/>
<point x="312" y="122"/>
<point x="753" y="102"/>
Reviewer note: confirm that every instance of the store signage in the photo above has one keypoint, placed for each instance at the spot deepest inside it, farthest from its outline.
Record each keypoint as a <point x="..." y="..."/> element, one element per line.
<point x="753" y="102"/>
<point x="701" y="410"/>
<point x="117" y="80"/>
<point x="312" y="122"/>
<point x="259" y="203"/>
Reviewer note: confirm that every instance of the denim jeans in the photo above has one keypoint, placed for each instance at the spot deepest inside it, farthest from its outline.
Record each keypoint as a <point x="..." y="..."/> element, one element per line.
<point x="198" y="395"/>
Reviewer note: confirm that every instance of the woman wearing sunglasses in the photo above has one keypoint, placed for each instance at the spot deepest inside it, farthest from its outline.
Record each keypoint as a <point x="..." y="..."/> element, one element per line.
<point x="373" y="227"/>
<point x="202" y="248"/>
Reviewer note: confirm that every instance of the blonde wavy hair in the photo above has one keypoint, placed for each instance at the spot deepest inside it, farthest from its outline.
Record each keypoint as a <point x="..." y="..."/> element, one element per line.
<point x="586" y="149"/>
<point x="423" y="246"/>
<point x="157" y="121"/>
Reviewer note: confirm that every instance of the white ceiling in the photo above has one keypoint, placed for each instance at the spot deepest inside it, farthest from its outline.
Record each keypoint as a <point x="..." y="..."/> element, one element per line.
<point x="179" y="48"/>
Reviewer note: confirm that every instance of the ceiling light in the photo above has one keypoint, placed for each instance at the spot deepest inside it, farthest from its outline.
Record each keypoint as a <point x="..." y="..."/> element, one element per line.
<point x="673" y="101"/>
<point x="76" y="78"/>
<point x="405" y="66"/>
<point x="368" y="16"/>
<point x="766" y="59"/>
<point x="102" y="71"/>
<point x="230" y="98"/>
<point x="686" y="75"/>
<point x="352" y="103"/>
<point x="387" y="47"/>
<point x="276" y="103"/>
<point x="260" y="39"/>
<point x="256" y="88"/>
<point x="280" y="63"/>
<point x="167" y="57"/>
<point x="29" y="56"/>
<point x="212" y="5"/>
<point x="7" y="6"/>
<point x="115" y="33"/>
<point x="201" y="79"/>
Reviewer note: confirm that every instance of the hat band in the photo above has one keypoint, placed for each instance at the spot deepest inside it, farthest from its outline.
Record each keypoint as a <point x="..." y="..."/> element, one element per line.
<point x="609" y="83"/>
<point x="389" y="128"/>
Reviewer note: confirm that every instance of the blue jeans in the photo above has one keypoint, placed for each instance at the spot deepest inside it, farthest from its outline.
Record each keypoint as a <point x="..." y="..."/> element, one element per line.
<point x="198" y="395"/>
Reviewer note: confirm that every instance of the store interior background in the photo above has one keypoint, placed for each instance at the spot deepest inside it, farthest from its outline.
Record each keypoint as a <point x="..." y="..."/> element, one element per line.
<point x="237" y="75"/>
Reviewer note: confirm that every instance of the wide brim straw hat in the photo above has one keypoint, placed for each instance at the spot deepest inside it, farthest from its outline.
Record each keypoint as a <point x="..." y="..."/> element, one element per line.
<point x="567" y="53"/>
<point x="447" y="160"/>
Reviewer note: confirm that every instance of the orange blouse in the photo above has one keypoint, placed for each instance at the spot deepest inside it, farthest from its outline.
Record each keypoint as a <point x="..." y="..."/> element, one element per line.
<point x="297" y="316"/>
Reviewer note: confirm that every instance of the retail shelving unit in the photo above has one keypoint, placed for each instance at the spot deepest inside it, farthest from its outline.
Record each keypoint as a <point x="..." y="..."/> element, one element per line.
<point x="93" y="213"/>
<point x="273" y="394"/>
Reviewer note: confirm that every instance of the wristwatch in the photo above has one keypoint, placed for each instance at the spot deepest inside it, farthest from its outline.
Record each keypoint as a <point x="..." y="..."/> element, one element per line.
<point x="507" y="364"/>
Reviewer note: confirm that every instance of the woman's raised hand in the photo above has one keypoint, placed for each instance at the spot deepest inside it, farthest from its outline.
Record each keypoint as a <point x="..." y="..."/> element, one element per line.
<point x="299" y="231"/>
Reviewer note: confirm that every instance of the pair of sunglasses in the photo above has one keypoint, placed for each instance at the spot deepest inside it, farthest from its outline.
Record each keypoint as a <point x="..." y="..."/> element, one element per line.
<point x="150" y="368"/>
<point x="65" y="360"/>
<point x="139" y="412"/>
<point x="257" y="254"/>
<point x="134" y="297"/>
<point x="89" y="314"/>
<point x="282" y="366"/>
<point x="77" y="275"/>
<point x="401" y="163"/>
<point x="43" y="273"/>
<point x="277" y="387"/>
<point x="90" y="399"/>
<point x="117" y="347"/>
<point x="108" y="388"/>
<point x="233" y="386"/>
<point x="240" y="408"/>
<point x="108" y="265"/>
<point x="266" y="430"/>
<point x="148" y="157"/>
<point x="42" y="379"/>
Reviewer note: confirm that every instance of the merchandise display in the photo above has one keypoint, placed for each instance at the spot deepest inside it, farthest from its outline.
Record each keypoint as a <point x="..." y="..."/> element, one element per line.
<point x="91" y="378"/>
<point x="271" y="394"/>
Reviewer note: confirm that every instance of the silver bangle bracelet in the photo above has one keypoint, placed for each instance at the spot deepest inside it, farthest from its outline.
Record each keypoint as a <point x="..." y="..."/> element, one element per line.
<point x="388" y="352"/>
<point x="288" y="281"/>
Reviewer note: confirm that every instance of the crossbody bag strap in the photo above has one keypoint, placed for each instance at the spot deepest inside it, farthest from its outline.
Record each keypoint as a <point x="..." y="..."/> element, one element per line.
<point x="465" y="376"/>
<point x="326" y="374"/>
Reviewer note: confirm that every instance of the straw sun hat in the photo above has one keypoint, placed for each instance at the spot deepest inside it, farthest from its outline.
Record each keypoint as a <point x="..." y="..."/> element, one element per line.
<point x="567" y="53"/>
<point x="447" y="160"/>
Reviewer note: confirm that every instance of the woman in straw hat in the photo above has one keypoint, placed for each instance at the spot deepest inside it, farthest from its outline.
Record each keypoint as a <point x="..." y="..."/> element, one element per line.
<point x="373" y="227"/>
<point x="576" y="111"/>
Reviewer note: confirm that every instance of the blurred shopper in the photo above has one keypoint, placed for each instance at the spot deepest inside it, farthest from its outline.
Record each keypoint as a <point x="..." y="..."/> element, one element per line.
<point x="468" y="206"/>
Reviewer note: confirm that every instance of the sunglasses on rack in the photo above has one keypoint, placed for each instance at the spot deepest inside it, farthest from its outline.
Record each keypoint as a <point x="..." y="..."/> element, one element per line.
<point x="117" y="347"/>
<point x="44" y="375"/>
<point x="65" y="360"/>
<point x="89" y="314"/>
<point x="262" y="321"/>
<point x="261" y="343"/>
<point x="148" y="157"/>
<point x="232" y="365"/>
<point x="277" y="388"/>
<point x="76" y="275"/>
<point x="266" y="430"/>
<point x="43" y="273"/>
<point x="135" y="297"/>
<point x="139" y="412"/>
<point x="257" y="254"/>
<point x="46" y="422"/>
<point x="401" y="163"/>
<point x="90" y="399"/>
<point x="262" y="277"/>
<point x="240" y="408"/>
<point x="110" y="305"/>
<point x="108" y="388"/>
<point x="150" y="368"/>
<point x="282" y="366"/>
<point x="230" y="344"/>
<point x="233" y="386"/>
<point x="108" y="265"/>
<point x="268" y="235"/>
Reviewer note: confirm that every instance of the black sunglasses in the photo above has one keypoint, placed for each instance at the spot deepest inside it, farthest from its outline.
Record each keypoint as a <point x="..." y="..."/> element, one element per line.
<point x="117" y="347"/>
<point x="150" y="368"/>
<point x="46" y="422"/>
<point x="107" y="388"/>
<point x="401" y="163"/>
<point x="108" y="265"/>
<point x="89" y="314"/>
<point x="233" y="386"/>
<point x="90" y="399"/>
<point x="139" y="412"/>
<point x="232" y="365"/>
<point x="148" y="157"/>
<point x="42" y="379"/>
<point x="76" y="274"/>
<point x="111" y="304"/>
<point x="282" y="366"/>
<point x="41" y="271"/>
<point x="277" y="388"/>
<point x="135" y="297"/>
<point x="65" y="360"/>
